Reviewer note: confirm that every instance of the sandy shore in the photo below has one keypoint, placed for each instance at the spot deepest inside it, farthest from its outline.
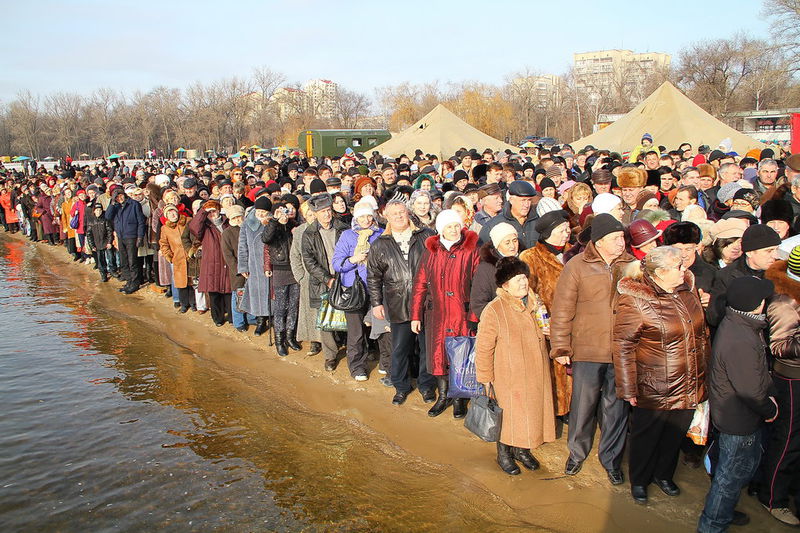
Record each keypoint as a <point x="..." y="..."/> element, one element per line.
<point x="547" y="497"/>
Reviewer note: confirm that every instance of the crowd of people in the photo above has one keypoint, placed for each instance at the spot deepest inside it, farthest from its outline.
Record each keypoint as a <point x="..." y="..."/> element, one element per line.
<point x="635" y="293"/>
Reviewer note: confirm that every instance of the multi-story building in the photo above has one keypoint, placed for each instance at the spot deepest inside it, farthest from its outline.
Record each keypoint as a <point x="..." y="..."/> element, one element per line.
<point x="321" y="97"/>
<point x="544" y="90"/>
<point x="620" y="74"/>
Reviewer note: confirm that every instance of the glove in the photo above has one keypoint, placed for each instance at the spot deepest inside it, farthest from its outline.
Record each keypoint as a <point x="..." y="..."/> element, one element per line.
<point x="472" y="326"/>
<point x="140" y="242"/>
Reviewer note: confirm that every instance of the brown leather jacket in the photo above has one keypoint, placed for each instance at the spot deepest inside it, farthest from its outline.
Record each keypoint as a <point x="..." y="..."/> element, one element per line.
<point x="661" y="347"/>
<point x="783" y="317"/>
<point x="580" y="319"/>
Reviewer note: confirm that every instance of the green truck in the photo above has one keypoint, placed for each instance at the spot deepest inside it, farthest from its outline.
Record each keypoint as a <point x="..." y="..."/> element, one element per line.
<point x="329" y="143"/>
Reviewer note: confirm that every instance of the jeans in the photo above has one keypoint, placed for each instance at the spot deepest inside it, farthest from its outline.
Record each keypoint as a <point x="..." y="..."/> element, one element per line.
<point x="404" y="349"/>
<point x="112" y="259"/>
<point x="175" y="294"/>
<point x="739" y="456"/>
<point x="238" y="318"/>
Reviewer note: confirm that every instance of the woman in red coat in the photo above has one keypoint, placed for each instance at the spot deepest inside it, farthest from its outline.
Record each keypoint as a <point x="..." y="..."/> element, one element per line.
<point x="10" y="209"/>
<point x="207" y="227"/>
<point x="440" y="298"/>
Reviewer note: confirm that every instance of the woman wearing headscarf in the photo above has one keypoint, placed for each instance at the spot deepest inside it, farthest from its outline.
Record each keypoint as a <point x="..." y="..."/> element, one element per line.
<point x="511" y="357"/>
<point x="207" y="226"/>
<point x="172" y="225"/>
<point x="423" y="210"/>
<point x="306" y="315"/>
<point x="350" y="261"/>
<point x="440" y="298"/>
<point x="545" y="262"/>
<point x="504" y="243"/>
<point x="660" y="351"/>
<point x="256" y="297"/>
<point x="277" y="236"/>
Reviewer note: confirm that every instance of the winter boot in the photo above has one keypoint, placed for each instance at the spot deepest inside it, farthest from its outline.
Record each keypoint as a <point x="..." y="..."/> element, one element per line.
<point x="442" y="402"/>
<point x="525" y="457"/>
<point x="291" y="341"/>
<point x="280" y="343"/>
<point x="315" y="348"/>
<point x="460" y="407"/>
<point x="261" y="326"/>
<point x="506" y="460"/>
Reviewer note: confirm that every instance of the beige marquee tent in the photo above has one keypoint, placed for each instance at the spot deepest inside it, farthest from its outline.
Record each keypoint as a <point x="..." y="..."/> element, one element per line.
<point x="671" y="118"/>
<point x="442" y="133"/>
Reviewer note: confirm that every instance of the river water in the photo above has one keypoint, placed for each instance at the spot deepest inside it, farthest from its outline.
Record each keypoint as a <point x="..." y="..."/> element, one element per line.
<point x="109" y="425"/>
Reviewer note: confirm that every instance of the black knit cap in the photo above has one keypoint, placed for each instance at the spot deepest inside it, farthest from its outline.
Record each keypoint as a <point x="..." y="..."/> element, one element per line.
<point x="759" y="236"/>
<point x="317" y="186"/>
<point x="263" y="202"/>
<point x="747" y="292"/>
<point x="603" y="224"/>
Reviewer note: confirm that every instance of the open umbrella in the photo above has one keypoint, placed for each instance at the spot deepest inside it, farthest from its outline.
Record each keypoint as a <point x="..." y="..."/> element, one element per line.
<point x="114" y="156"/>
<point x="528" y="144"/>
<point x="255" y="147"/>
<point x="21" y="158"/>
<point x="180" y="150"/>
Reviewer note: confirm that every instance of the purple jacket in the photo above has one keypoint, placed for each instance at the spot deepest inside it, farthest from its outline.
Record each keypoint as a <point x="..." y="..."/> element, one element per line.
<point x="343" y="251"/>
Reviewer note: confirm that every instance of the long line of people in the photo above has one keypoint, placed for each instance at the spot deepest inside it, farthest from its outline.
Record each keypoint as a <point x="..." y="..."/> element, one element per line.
<point x="602" y="291"/>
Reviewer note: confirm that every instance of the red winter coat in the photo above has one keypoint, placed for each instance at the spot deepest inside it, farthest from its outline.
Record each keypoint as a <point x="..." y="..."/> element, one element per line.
<point x="214" y="276"/>
<point x="79" y="207"/>
<point x="8" y="206"/>
<point x="440" y="296"/>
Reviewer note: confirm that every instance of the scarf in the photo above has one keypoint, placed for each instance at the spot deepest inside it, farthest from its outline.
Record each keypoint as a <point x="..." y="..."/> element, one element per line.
<point x="362" y="244"/>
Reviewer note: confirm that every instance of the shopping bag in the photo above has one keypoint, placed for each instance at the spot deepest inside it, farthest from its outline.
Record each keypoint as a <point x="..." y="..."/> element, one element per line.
<point x="75" y="221"/>
<point x="461" y="355"/>
<point x="485" y="417"/>
<point x="328" y="318"/>
<point x="698" y="430"/>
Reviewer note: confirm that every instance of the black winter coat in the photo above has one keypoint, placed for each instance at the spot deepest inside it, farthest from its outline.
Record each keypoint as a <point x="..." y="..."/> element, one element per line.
<point x="722" y="279"/>
<point x="704" y="274"/>
<point x="390" y="277"/>
<point x="740" y="383"/>
<point x="278" y="238"/>
<point x="317" y="262"/>
<point x="484" y="287"/>
<point x="99" y="233"/>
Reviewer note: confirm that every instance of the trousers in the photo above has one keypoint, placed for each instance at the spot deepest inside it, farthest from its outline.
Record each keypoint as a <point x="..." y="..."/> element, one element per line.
<point x="285" y="306"/>
<point x="592" y="387"/>
<point x="655" y="443"/>
<point x="781" y="464"/>
<point x="408" y="348"/>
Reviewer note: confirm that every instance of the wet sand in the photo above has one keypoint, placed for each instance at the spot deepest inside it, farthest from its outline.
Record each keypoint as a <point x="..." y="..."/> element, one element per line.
<point x="544" y="500"/>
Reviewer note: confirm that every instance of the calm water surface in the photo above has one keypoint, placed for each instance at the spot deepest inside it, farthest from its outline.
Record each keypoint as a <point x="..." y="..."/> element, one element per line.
<point x="107" y="425"/>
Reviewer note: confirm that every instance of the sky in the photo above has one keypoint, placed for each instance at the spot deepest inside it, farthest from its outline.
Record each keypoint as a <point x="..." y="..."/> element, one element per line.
<point x="83" y="45"/>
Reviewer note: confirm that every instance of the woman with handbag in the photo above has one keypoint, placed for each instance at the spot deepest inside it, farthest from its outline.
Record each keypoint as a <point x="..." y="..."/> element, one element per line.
<point x="660" y="350"/>
<point x="66" y="219"/>
<point x="515" y="363"/>
<point x="350" y="264"/>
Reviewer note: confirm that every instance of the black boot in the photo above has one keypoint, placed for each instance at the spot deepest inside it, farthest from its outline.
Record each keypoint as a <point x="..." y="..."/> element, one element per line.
<point x="460" y="407"/>
<point x="442" y="402"/>
<point x="291" y="341"/>
<point x="506" y="460"/>
<point x="525" y="457"/>
<point x="261" y="326"/>
<point x="280" y="343"/>
<point x="315" y="348"/>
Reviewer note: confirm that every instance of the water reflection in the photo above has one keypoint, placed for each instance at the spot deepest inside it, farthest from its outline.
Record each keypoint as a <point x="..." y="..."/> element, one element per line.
<point x="118" y="426"/>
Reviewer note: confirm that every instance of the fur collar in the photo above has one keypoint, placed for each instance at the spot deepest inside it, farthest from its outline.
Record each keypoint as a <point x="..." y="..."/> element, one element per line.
<point x="469" y="239"/>
<point x="488" y="254"/>
<point x="645" y="289"/>
<point x="783" y="285"/>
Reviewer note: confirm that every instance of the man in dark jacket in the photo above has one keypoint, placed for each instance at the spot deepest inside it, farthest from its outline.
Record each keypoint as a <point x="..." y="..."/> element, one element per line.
<point x="392" y="262"/>
<point x="759" y="250"/>
<point x="319" y="240"/>
<point x="740" y="398"/>
<point x="686" y="236"/>
<point x="99" y="236"/>
<point x="129" y="224"/>
<point x="519" y="212"/>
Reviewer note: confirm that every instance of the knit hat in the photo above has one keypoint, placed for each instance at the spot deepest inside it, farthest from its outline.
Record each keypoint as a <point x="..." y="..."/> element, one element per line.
<point x="605" y="202"/>
<point x="642" y="198"/>
<point x="793" y="264"/>
<point x="168" y="207"/>
<point x="445" y="218"/>
<point x="777" y="210"/>
<point x="758" y="237"/>
<point x="747" y="292"/>
<point x="361" y="209"/>
<point x="603" y="224"/>
<point x="360" y="182"/>
<point x="263" y="202"/>
<point x="682" y="233"/>
<point x="647" y="137"/>
<point x="546" y="183"/>
<point x="546" y="205"/>
<point x="554" y="171"/>
<point x="724" y="229"/>
<point x="459" y="175"/>
<point x="550" y="221"/>
<point x="642" y="232"/>
<point x="508" y="268"/>
<point x="317" y="186"/>
<point x="500" y="232"/>
<point x="727" y="191"/>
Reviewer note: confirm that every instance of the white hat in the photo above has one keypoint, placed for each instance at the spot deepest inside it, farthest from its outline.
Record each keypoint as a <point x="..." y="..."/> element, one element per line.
<point x="546" y="205"/>
<point x="363" y="208"/>
<point x="605" y="202"/>
<point x="162" y="180"/>
<point x="500" y="232"/>
<point x="447" y="217"/>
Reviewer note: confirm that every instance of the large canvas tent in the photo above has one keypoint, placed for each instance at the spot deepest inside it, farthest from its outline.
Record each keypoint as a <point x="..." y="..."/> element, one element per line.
<point x="671" y="118"/>
<point x="441" y="133"/>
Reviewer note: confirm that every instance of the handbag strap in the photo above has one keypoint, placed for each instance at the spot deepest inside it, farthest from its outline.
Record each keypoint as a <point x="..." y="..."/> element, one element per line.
<point x="490" y="392"/>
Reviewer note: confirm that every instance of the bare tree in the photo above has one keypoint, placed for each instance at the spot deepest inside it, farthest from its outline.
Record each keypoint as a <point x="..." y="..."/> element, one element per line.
<point x="351" y="108"/>
<point x="785" y="16"/>
<point x="64" y="115"/>
<point x="25" y="123"/>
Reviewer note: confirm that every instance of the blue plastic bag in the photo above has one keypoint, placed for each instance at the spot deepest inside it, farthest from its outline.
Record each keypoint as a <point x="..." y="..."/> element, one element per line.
<point x="461" y="354"/>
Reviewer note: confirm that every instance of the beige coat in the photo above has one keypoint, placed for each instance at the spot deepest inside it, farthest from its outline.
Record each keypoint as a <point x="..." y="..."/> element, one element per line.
<point x="510" y="353"/>
<point x="172" y="249"/>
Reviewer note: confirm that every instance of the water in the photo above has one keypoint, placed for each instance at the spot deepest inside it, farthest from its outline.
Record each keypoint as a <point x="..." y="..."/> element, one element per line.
<point x="109" y="425"/>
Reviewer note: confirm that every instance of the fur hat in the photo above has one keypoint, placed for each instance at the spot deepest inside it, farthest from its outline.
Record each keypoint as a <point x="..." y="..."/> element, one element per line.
<point x="776" y="210"/>
<point x="630" y="176"/>
<point x="321" y="201"/>
<point x="509" y="267"/>
<point x="360" y="182"/>
<point x="682" y="233"/>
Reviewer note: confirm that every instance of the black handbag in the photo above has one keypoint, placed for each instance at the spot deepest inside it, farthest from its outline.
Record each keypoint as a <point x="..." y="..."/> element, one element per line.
<point x="348" y="299"/>
<point x="485" y="417"/>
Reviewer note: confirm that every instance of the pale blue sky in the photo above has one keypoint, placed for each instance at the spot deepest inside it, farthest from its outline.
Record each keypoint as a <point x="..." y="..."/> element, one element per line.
<point x="81" y="45"/>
